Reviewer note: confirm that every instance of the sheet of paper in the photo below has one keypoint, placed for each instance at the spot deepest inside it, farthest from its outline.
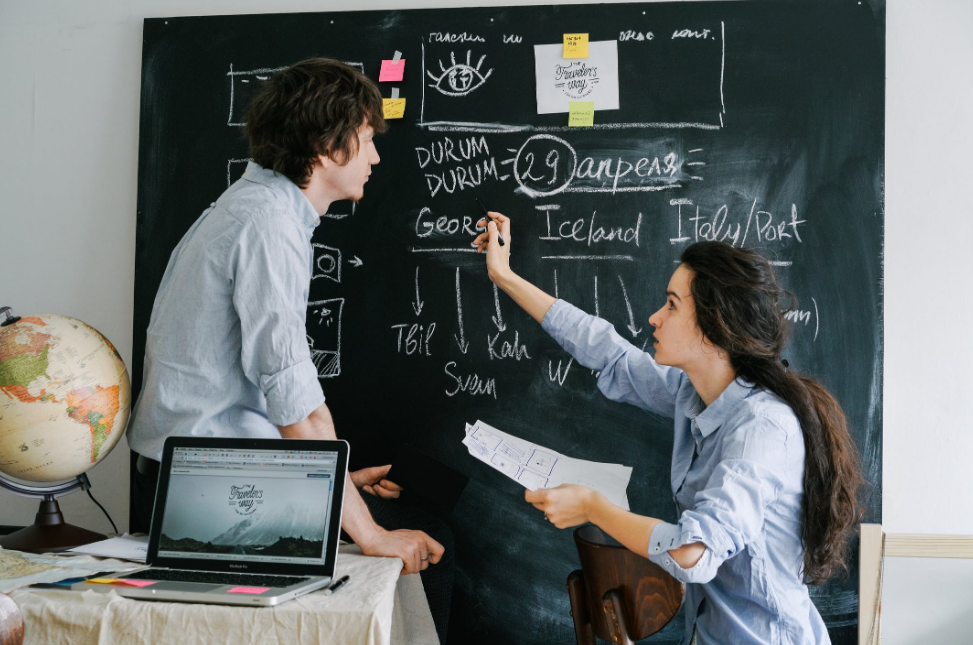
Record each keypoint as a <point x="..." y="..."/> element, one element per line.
<point x="534" y="466"/>
<point x="393" y="108"/>
<point x="125" y="547"/>
<point x="561" y="81"/>
<point x="581" y="113"/>
<point x="575" y="46"/>
<point x="18" y="569"/>
<point x="391" y="70"/>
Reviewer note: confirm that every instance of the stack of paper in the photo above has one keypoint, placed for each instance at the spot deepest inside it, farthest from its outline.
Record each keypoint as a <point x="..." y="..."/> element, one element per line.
<point x="124" y="547"/>
<point x="18" y="569"/>
<point x="534" y="466"/>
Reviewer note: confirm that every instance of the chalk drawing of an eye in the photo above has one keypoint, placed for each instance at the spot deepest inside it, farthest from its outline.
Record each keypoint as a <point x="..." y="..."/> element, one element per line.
<point x="460" y="78"/>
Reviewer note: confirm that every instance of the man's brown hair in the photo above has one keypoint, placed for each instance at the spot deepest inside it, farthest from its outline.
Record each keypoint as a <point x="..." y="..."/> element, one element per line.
<point x="312" y="108"/>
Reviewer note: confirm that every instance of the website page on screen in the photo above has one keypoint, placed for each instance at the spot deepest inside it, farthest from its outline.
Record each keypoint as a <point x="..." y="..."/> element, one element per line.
<point x="259" y="506"/>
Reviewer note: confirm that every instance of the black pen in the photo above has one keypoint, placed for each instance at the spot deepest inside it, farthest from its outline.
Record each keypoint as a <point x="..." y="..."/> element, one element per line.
<point x="487" y="214"/>
<point x="333" y="588"/>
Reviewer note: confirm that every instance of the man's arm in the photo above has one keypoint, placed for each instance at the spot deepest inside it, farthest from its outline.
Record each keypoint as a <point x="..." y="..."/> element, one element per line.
<point x="416" y="549"/>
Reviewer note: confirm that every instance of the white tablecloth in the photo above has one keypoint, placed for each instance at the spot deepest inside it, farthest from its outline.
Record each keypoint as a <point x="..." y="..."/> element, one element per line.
<point x="377" y="606"/>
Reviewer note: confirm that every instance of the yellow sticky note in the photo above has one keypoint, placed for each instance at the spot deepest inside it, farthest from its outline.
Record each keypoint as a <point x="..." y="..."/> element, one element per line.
<point x="581" y="113"/>
<point x="393" y="108"/>
<point x="575" y="46"/>
<point x="102" y="581"/>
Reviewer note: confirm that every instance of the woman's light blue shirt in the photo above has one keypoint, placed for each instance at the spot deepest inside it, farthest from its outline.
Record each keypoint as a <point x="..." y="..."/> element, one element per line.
<point x="741" y="495"/>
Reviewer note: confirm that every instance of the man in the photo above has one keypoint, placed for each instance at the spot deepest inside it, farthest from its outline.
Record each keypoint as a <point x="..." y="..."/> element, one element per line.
<point x="226" y="350"/>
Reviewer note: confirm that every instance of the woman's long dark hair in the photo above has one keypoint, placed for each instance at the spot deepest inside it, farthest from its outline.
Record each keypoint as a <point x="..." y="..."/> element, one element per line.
<point x="737" y="302"/>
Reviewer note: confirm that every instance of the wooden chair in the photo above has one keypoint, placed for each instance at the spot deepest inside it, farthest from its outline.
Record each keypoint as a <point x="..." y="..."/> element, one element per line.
<point x="11" y="622"/>
<point x="617" y="595"/>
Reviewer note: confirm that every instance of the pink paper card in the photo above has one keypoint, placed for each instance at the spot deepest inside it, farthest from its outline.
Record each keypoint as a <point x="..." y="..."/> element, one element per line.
<point x="253" y="590"/>
<point x="138" y="583"/>
<point x="391" y="70"/>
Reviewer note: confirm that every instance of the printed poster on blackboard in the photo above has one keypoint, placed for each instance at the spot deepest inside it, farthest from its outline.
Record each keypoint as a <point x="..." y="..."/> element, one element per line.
<point x="561" y="81"/>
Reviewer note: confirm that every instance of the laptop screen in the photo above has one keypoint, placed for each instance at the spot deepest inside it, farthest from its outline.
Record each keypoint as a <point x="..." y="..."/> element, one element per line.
<point x="270" y="506"/>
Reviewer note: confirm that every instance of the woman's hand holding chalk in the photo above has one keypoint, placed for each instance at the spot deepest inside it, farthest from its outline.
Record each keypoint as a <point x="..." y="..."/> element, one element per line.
<point x="487" y="213"/>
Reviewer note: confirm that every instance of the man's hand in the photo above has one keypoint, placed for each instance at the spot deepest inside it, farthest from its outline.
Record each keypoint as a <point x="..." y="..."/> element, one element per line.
<point x="416" y="549"/>
<point x="372" y="480"/>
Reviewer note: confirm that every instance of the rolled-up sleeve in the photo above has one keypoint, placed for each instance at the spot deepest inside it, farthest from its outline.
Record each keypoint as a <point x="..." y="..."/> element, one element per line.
<point x="270" y="269"/>
<point x="729" y="513"/>
<point x="627" y="374"/>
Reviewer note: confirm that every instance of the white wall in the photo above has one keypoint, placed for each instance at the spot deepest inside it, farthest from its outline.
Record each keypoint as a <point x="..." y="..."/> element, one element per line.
<point x="69" y="99"/>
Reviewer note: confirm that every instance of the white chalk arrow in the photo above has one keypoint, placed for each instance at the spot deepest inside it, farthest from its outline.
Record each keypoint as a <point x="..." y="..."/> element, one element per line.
<point x="417" y="305"/>
<point x="461" y="341"/>
<point x="498" y="319"/>
<point x="631" y="318"/>
<point x="355" y="262"/>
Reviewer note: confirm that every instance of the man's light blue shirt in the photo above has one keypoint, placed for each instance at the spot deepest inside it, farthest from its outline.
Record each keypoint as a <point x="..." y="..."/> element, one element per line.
<point x="737" y="481"/>
<point x="226" y="352"/>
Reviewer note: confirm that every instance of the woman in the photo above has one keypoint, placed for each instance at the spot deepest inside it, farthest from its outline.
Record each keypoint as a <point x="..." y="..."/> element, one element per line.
<point x="764" y="472"/>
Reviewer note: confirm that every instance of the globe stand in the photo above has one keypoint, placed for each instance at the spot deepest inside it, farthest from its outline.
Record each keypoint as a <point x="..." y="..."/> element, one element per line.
<point x="49" y="532"/>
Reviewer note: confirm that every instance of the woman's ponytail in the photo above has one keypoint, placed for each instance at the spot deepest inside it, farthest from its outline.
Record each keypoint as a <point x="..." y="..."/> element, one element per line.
<point x="736" y="298"/>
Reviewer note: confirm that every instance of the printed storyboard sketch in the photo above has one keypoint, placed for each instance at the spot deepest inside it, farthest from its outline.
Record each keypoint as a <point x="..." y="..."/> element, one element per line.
<point x="758" y="124"/>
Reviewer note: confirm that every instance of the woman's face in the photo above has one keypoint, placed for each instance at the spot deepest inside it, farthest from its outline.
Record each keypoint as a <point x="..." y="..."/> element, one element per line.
<point x="678" y="341"/>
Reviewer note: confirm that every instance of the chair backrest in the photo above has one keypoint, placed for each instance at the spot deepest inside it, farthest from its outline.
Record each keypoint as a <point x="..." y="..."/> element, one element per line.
<point x="651" y="596"/>
<point x="11" y="622"/>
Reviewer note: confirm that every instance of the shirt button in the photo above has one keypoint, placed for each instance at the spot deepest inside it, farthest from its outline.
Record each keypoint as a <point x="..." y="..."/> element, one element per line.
<point x="668" y="561"/>
<point x="657" y="549"/>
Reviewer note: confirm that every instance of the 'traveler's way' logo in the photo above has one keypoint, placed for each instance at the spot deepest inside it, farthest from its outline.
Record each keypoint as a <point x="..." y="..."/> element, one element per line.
<point x="245" y="499"/>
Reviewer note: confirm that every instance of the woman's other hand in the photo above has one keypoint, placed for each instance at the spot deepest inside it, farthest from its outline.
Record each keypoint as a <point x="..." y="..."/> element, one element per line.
<point x="498" y="257"/>
<point x="566" y="505"/>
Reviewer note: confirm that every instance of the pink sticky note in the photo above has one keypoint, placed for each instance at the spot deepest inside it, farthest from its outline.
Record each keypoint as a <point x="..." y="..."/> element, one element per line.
<point x="391" y="71"/>
<point x="137" y="583"/>
<point x="254" y="590"/>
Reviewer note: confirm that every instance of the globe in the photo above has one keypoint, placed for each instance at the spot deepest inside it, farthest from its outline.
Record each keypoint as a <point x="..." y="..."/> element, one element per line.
<point x="65" y="397"/>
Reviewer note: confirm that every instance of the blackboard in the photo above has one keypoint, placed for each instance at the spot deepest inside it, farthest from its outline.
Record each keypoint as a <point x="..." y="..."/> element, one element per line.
<point x="760" y="123"/>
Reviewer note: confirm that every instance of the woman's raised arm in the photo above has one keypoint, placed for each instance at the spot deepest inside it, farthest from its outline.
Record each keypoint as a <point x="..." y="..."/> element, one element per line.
<point x="532" y="299"/>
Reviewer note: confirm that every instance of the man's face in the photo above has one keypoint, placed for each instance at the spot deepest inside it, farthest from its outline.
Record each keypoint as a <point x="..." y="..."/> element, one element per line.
<point x="348" y="181"/>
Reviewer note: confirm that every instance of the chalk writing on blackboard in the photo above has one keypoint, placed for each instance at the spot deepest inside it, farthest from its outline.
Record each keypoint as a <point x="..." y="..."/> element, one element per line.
<point x="244" y="85"/>
<point x="735" y="227"/>
<point x="804" y="316"/>
<point x="459" y="79"/>
<point x="470" y="384"/>
<point x="324" y="335"/>
<point x="460" y="339"/>
<point x="628" y="306"/>
<point x="327" y="263"/>
<point x="559" y="375"/>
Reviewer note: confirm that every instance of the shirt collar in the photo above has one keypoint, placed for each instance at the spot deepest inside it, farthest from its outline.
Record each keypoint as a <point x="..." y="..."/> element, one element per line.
<point x="709" y="418"/>
<point x="298" y="203"/>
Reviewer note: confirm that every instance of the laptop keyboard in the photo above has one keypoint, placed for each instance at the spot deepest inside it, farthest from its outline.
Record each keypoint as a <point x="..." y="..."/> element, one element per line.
<point x="216" y="578"/>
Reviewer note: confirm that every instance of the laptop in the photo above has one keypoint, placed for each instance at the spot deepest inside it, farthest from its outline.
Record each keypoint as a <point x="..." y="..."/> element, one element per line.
<point x="250" y="522"/>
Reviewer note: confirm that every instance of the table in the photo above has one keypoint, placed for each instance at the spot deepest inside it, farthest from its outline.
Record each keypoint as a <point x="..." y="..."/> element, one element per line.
<point x="377" y="606"/>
